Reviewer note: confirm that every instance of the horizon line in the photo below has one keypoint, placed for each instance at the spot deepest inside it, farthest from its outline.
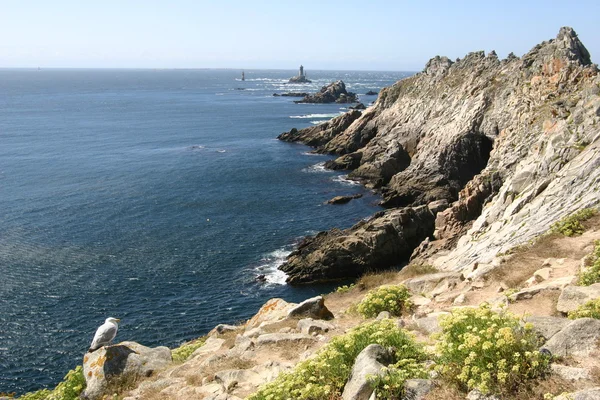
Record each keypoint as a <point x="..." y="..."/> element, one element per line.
<point x="197" y="68"/>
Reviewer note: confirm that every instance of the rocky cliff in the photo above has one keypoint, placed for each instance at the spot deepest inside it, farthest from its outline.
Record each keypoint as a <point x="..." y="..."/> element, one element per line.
<point x="511" y="145"/>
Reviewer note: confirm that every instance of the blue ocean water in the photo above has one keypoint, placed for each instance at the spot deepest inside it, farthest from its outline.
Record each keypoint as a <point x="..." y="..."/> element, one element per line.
<point x="154" y="196"/>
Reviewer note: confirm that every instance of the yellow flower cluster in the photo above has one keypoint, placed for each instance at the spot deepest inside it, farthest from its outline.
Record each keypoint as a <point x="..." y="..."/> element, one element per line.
<point x="393" y="299"/>
<point x="591" y="309"/>
<point x="591" y="274"/>
<point x="490" y="351"/>
<point x="324" y="376"/>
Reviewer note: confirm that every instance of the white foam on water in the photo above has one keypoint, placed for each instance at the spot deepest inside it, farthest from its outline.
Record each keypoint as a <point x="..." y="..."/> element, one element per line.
<point x="270" y="264"/>
<point x="343" y="179"/>
<point x="308" y="153"/>
<point x="316" y="168"/>
<point x="315" y="115"/>
<point x="221" y="151"/>
<point x="317" y="122"/>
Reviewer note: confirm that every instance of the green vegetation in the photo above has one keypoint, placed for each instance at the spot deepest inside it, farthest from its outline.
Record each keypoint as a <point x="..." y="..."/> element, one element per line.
<point x="490" y="351"/>
<point x="324" y="376"/>
<point x="184" y="351"/>
<point x="345" y="288"/>
<point x="591" y="309"/>
<point x="591" y="274"/>
<point x="572" y="224"/>
<point x="394" y="299"/>
<point x="69" y="389"/>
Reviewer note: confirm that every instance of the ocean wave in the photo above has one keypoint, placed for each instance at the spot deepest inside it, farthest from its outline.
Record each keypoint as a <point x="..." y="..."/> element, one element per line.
<point x="343" y="179"/>
<point x="309" y="153"/>
<point x="270" y="264"/>
<point x="316" y="168"/>
<point x="317" y="122"/>
<point x="316" y="115"/>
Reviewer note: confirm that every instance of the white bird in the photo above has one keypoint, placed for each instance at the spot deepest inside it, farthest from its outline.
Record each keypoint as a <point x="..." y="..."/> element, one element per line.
<point x="105" y="334"/>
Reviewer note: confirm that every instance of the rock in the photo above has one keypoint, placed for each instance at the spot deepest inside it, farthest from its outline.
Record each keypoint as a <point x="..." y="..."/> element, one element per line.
<point x="272" y="311"/>
<point x="547" y="326"/>
<point x="321" y="134"/>
<point x="579" y="338"/>
<point x="308" y="326"/>
<point x="528" y="293"/>
<point x="574" y="296"/>
<point x="371" y="93"/>
<point x="312" y="308"/>
<point x="283" y="339"/>
<point x="223" y="328"/>
<point x="378" y="243"/>
<point x="429" y="324"/>
<point x="120" y="362"/>
<point x="475" y="394"/>
<point x="383" y="315"/>
<point x="542" y="274"/>
<point x="369" y="362"/>
<point x="359" y="106"/>
<point x="460" y="299"/>
<point x="211" y="345"/>
<point x="299" y="79"/>
<point x="333" y="93"/>
<point x="585" y="394"/>
<point x="291" y="94"/>
<point x="571" y="373"/>
<point x="417" y="389"/>
<point x="344" y="199"/>
<point x="427" y="283"/>
<point x="419" y="300"/>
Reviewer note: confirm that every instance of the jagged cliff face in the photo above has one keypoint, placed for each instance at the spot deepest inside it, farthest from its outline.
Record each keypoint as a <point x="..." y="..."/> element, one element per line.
<point x="514" y="143"/>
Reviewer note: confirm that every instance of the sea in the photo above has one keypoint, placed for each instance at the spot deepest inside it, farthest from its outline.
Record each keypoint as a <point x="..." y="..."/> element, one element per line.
<point x="157" y="197"/>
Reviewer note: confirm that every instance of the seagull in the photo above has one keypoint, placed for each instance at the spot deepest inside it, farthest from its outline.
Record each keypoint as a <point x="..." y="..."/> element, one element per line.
<point x="105" y="334"/>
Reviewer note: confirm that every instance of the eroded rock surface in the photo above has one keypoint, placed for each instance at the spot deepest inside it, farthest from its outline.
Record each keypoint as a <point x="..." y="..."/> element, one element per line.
<point x="333" y="93"/>
<point x="381" y="242"/>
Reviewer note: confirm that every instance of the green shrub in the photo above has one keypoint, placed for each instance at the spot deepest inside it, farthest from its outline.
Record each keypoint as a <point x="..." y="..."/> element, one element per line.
<point x="571" y="225"/>
<point x="591" y="274"/>
<point x="490" y="351"/>
<point x="69" y="389"/>
<point x="183" y="352"/>
<point x="345" y="288"/>
<point x="394" y="299"/>
<point x="390" y="384"/>
<point x="325" y="375"/>
<point x="591" y="309"/>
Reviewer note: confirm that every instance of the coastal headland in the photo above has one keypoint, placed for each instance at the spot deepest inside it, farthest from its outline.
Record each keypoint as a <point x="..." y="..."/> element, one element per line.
<point x="489" y="173"/>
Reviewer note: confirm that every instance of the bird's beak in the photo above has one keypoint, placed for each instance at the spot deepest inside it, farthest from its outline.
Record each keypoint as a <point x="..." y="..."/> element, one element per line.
<point x="118" y="319"/>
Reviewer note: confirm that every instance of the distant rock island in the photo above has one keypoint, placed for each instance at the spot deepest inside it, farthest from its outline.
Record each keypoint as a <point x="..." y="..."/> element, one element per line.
<point x="333" y="93"/>
<point x="300" y="78"/>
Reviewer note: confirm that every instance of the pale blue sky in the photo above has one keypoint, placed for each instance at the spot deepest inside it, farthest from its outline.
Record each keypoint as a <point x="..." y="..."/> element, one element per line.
<point x="325" y="34"/>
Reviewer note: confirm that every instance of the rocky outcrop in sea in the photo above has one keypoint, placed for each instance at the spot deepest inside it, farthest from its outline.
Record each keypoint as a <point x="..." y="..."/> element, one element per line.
<point x="333" y="93"/>
<point x="511" y="145"/>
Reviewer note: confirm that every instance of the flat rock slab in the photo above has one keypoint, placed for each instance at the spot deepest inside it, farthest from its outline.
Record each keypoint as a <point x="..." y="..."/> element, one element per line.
<point x="426" y="283"/>
<point x="587" y="394"/>
<point x="283" y="339"/>
<point x="571" y="373"/>
<point x="547" y="326"/>
<point x="574" y="296"/>
<point x="579" y="338"/>
<point x="528" y="293"/>
<point x="308" y="326"/>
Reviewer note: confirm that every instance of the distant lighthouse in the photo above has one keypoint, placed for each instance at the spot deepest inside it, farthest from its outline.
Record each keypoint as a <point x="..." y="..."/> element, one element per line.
<point x="301" y="78"/>
<point x="243" y="76"/>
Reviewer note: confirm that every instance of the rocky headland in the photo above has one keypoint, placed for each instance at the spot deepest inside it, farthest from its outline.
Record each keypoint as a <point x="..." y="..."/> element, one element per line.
<point x="500" y="149"/>
<point x="489" y="170"/>
<point x="333" y="93"/>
